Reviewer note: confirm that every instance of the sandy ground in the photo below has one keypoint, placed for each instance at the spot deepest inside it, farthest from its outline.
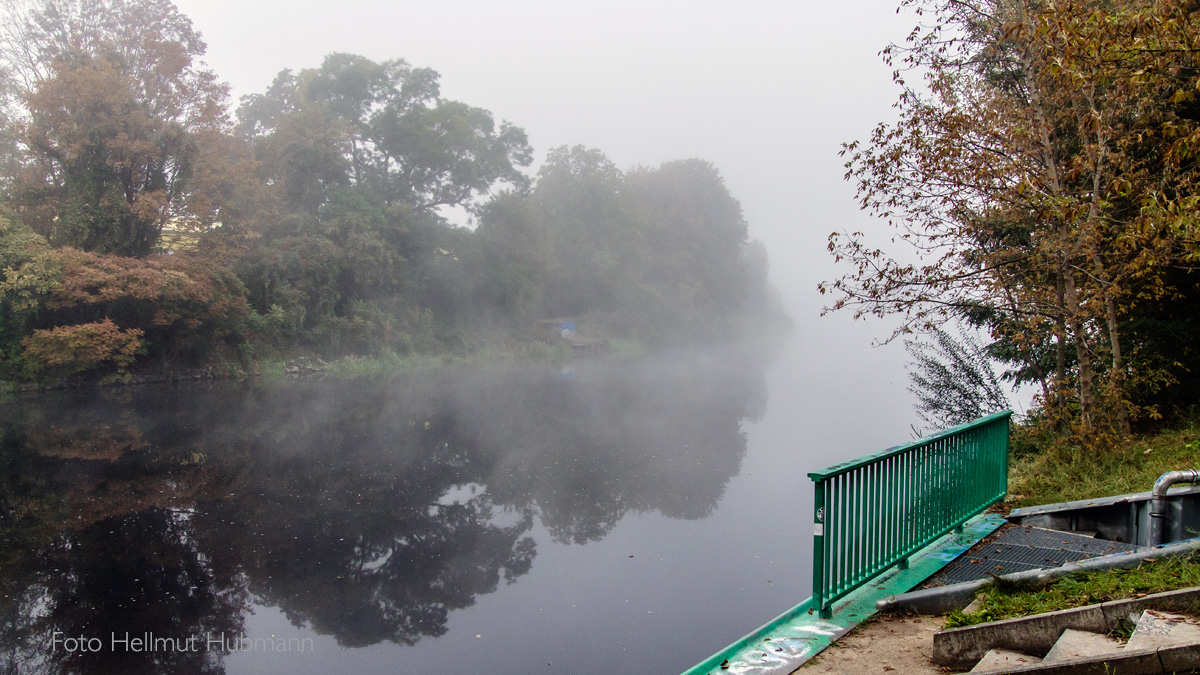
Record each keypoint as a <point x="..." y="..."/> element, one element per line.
<point x="887" y="644"/>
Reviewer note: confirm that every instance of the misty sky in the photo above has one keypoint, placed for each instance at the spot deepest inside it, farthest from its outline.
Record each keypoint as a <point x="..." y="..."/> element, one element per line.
<point x="766" y="90"/>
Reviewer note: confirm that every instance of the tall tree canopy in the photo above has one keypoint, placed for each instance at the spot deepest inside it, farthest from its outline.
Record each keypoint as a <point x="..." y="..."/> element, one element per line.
<point x="381" y="127"/>
<point x="1042" y="176"/>
<point x="114" y="109"/>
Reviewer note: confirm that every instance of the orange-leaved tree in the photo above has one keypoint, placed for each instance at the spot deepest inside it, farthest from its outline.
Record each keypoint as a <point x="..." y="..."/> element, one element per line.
<point x="1031" y="175"/>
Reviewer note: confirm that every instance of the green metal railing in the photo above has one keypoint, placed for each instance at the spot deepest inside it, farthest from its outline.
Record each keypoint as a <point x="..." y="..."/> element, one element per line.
<point x="875" y="512"/>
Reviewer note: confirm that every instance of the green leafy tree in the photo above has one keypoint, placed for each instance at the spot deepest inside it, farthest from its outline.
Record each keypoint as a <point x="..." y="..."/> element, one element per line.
<point x="21" y="287"/>
<point x="515" y="254"/>
<point x="694" y="235"/>
<point x="597" y="249"/>
<point x="363" y="157"/>
<point x="381" y="126"/>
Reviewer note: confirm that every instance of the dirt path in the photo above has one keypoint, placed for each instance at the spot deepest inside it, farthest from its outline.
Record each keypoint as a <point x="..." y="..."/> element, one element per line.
<point x="888" y="644"/>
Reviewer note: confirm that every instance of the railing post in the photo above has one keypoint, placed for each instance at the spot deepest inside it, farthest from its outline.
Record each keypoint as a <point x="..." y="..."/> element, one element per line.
<point x="819" y="550"/>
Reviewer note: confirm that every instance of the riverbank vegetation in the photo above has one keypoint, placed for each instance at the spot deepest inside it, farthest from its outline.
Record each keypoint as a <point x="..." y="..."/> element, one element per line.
<point x="1007" y="601"/>
<point x="148" y="226"/>
<point x="1048" y="470"/>
<point x="1045" y="177"/>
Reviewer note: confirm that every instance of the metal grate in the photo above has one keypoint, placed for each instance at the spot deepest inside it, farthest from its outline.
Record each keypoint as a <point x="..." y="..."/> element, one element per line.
<point x="1016" y="549"/>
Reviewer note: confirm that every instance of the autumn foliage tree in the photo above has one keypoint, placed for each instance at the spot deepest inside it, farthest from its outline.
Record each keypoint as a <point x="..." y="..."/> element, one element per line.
<point x="120" y="132"/>
<point x="116" y="108"/>
<point x="71" y="350"/>
<point x="1032" y="176"/>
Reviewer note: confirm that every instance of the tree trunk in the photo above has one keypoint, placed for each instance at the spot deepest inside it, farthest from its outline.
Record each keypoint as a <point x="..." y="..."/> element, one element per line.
<point x="1069" y="291"/>
<point x="1118" y="368"/>
<point x="1083" y="352"/>
<point x="1060" y="349"/>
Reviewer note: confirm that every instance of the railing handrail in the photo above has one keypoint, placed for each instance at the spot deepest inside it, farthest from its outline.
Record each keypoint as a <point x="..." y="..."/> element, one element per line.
<point x="872" y="513"/>
<point x="838" y="469"/>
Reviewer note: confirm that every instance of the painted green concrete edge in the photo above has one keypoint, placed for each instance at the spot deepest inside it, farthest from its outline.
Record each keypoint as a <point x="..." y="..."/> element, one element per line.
<point x="800" y="634"/>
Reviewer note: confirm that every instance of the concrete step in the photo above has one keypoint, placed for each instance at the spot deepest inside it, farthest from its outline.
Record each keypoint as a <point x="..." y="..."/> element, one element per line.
<point x="963" y="647"/>
<point x="1163" y="629"/>
<point x="1004" y="659"/>
<point x="1162" y="642"/>
<point x="1081" y="644"/>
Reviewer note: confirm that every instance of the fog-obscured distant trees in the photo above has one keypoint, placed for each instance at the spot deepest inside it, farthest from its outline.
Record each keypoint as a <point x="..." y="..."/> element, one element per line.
<point x="656" y="252"/>
<point x="351" y="210"/>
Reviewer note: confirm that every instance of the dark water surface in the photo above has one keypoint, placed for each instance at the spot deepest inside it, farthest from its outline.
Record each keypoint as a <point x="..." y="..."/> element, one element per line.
<point x="618" y="515"/>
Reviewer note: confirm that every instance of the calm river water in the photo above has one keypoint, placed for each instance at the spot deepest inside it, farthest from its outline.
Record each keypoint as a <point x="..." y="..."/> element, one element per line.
<point x="617" y="515"/>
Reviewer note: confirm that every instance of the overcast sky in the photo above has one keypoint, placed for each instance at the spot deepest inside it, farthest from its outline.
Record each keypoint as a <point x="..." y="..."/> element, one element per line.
<point x="766" y="90"/>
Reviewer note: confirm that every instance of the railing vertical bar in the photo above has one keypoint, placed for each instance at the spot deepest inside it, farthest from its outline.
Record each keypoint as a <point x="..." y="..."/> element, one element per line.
<point x="831" y="518"/>
<point x="898" y="519"/>
<point x="933" y="472"/>
<point x="870" y="546"/>
<point x="954" y="458"/>
<point x="885" y="552"/>
<point x="819" y="539"/>
<point x="905" y="521"/>
<point x="870" y="554"/>
<point x="843" y="521"/>
<point x="889" y="508"/>
<point x="915" y="483"/>
<point x="927" y="470"/>
<point x="856" y="539"/>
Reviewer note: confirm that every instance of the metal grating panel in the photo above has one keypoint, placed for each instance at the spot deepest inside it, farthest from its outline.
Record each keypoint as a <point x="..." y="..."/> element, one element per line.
<point x="1016" y="549"/>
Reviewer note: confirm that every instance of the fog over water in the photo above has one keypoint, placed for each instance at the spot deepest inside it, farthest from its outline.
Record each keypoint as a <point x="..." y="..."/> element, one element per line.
<point x="626" y="514"/>
<point x="631" y="514"/>
<point x="636" y="514"/>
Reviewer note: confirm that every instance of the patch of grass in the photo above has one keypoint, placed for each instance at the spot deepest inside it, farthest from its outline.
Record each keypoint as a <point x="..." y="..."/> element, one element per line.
<point x="272" y="369"/>
<point x="1065" y="473"/>
<point x="384" y="364"/>
<point x="620" y="347"/>
<point x="1124" y="630"/>
<point x="540" y="351"/>
<point x="1000" y="601"/>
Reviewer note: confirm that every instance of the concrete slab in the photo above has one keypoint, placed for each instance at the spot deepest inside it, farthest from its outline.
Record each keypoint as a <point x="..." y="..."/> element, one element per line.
<point x="1142" y="662"/>
<point x="1001" y="659"/>
<point x="1081" y="644"/>
<point x="1164" y="629"/>
<point x="1185" y="600"/>
<point x="961" y="647"/>
<point x="975" y="605"/>
<point x="1180" y="659"/>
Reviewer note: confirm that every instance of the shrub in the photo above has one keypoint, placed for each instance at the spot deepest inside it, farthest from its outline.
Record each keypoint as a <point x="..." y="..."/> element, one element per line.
<point x="70" y="350"/>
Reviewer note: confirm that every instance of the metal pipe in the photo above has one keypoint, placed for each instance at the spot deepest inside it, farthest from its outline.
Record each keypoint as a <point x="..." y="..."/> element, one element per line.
<point x="1158" y="502"/>
<point x="942" y="599"/>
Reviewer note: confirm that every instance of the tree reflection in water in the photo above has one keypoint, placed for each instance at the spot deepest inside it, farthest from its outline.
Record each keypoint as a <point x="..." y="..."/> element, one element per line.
<point x="365" y="510"/>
